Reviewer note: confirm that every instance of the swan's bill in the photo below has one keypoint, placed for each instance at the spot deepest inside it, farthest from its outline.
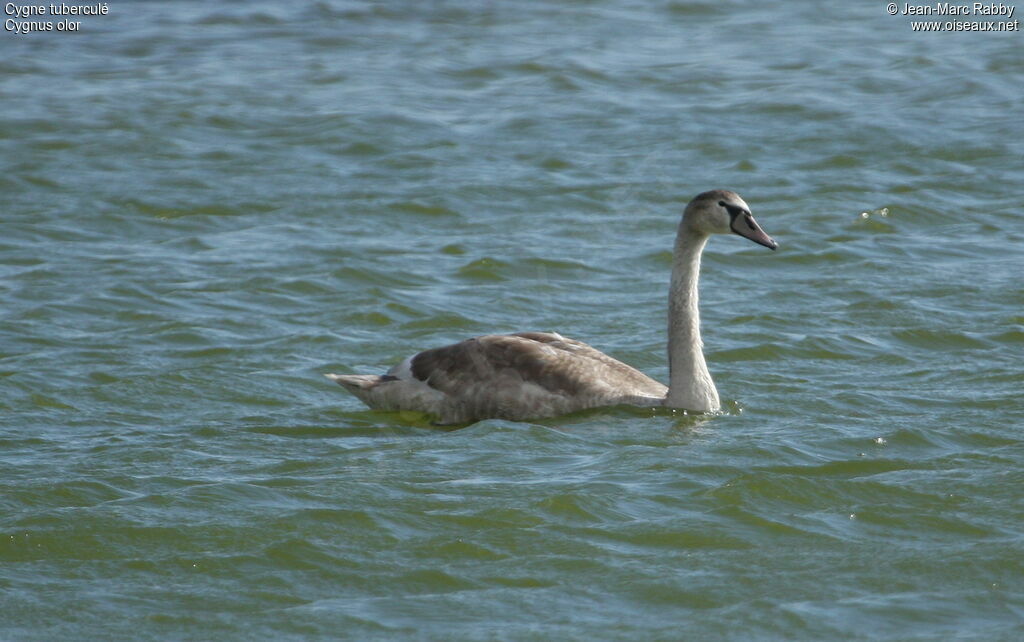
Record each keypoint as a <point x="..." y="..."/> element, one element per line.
<point x="745" y="225"/>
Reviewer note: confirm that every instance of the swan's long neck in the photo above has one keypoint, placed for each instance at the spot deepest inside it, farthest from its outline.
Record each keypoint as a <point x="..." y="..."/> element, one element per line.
<point x="690" y="384"/>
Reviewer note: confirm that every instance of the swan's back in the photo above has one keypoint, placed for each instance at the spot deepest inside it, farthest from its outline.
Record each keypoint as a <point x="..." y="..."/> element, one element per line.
<point x="508" y="376"/>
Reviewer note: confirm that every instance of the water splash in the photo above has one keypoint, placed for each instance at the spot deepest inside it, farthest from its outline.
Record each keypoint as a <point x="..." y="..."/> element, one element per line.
<point x="882" y="212"/>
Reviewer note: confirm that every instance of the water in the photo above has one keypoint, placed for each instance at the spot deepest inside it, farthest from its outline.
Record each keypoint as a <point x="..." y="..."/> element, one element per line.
<point x="208" y="205"/>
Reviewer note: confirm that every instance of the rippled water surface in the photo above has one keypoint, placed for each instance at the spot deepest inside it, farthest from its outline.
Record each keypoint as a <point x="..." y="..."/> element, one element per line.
<point x="205" y="206"/>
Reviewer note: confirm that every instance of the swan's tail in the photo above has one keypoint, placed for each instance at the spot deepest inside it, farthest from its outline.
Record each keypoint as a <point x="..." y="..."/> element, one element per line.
<point x="359" y="385"/>
<point x="387" y="392"/>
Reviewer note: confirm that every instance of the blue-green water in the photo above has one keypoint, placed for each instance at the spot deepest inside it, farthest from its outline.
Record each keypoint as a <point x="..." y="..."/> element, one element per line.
<point x="205" y="206"/>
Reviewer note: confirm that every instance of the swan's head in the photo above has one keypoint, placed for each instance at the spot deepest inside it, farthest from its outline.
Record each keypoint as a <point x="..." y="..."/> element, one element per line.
<point x="723" y="212"/>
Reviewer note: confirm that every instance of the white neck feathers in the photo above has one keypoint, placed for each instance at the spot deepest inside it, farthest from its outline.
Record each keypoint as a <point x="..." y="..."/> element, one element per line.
<point x="690" y="384"/>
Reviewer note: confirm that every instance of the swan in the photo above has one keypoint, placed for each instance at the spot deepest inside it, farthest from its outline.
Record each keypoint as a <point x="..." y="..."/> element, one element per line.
<point x="533" y="375"/>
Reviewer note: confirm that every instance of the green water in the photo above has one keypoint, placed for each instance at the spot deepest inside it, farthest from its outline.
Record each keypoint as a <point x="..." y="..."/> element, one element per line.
<point x="205" y="206"/>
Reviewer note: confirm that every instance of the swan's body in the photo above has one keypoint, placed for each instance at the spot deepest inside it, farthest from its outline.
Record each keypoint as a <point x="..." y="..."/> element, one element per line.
<point x="530" y="375"/>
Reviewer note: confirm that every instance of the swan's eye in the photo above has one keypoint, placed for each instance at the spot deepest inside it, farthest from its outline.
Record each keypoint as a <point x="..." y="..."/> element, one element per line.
<point x="722" y="203"/>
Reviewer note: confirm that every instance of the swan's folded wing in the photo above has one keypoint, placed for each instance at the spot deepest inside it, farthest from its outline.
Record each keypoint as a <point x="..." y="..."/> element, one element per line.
<point x="557" y="365"/>
<point x="623" y="376"/>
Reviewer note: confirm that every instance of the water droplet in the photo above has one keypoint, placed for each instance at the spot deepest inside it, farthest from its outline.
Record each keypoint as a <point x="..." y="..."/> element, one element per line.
<point x="853" y="515"/>
<point x="865" y="214"/>
<point x="879" y="440"/>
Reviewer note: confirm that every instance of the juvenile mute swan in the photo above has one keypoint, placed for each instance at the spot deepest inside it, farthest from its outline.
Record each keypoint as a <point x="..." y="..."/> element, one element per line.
<point x="530" y="375"/>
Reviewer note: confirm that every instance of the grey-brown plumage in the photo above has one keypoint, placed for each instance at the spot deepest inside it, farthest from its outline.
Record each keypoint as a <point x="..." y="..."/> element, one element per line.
<point x="526" y="375"/>
<point x="531" y="375"/>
